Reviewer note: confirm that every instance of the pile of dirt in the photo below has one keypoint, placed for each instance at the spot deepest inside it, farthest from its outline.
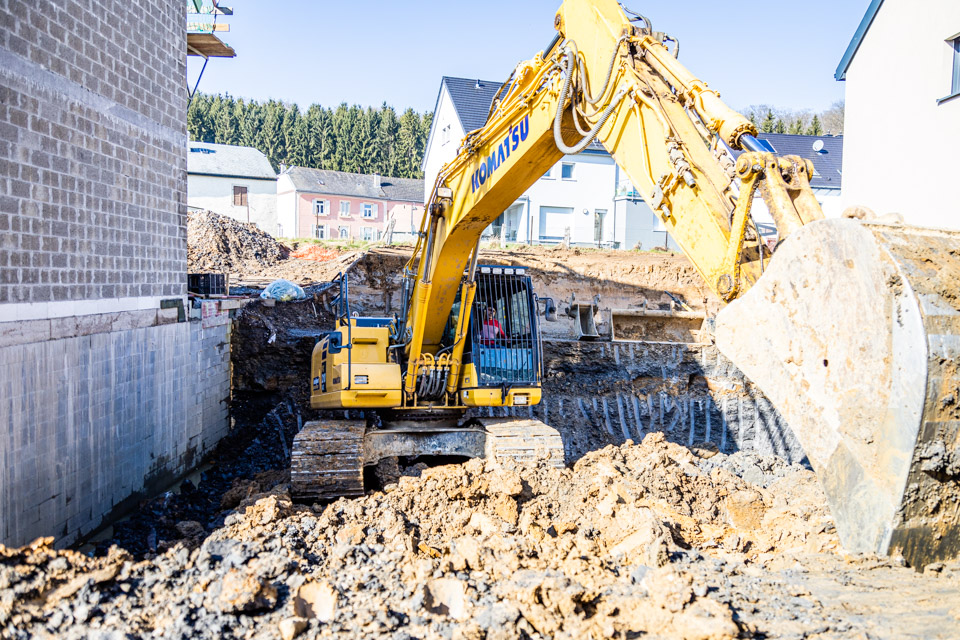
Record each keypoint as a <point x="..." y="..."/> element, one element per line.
<point x="640" y="539"/>
<point x="220" y="244"/>
<point x="315" y="252"/>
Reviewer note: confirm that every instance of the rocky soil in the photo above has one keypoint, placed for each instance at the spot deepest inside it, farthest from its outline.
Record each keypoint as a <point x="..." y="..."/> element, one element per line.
<point x="654" y="539"/>
<point x="650" y="538"/>
<point x="220" y="244"/>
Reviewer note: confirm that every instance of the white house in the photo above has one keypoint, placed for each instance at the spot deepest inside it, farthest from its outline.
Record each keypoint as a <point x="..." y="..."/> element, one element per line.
<point x="233" y="181"/>
<point x="584" y="196"/>
<point x="902" y="116"/>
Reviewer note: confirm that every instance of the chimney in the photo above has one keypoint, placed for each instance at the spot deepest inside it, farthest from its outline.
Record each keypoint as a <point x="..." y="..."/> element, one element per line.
<point x="283" y="168"/>
<point x="376" y="181"/>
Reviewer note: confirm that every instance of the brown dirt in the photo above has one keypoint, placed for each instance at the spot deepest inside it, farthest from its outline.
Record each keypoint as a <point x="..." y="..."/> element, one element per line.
<point x="650" y="539"/>
<point x="220" y="244"/>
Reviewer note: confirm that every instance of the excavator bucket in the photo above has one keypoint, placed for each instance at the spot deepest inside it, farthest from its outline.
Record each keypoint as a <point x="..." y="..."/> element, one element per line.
<point x="655" y="325"/>
<point x="853" y="333"/>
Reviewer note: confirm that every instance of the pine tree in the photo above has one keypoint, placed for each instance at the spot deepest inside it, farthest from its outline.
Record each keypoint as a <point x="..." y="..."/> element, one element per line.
<point x="780" y="127"/>
<point x="250" y="117"/>
<point x="796" y="127"/>
<point x="815" y="128"/>
<point x="387" y="140"/>
<point x="226" y="128"/>
<point x="407" y="165"/>
<point x="769" y="122"/>
<point x="272" y="142"/>
<point x="199" y="126"/>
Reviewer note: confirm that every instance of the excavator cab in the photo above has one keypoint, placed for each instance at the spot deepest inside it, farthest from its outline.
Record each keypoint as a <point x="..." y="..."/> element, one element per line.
<point x="502" y="357"/>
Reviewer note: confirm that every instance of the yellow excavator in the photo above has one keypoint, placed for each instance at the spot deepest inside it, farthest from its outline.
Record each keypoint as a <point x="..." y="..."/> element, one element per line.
<point x="851" y="329"/>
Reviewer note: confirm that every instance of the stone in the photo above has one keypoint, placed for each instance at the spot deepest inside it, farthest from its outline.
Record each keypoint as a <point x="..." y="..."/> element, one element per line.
<point x="292" y="627"/>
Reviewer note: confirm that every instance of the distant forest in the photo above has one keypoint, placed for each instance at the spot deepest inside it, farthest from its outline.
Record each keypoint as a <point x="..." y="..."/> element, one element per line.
<point x="345" y="138"/>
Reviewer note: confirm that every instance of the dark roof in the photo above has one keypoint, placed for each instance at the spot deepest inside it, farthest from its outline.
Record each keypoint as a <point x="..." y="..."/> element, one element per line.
<point x="841" y="73"/>
<point x="230" y="160"/>
<point x="827" y="161"/>
<point x="471" y="99"/>
<point x="359" y="185"/>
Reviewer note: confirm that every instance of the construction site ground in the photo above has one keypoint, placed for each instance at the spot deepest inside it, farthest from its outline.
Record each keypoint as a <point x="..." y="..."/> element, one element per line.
<point x="685" y="510"/>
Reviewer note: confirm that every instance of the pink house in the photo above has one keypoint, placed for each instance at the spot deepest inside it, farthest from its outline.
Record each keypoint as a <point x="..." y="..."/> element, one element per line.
<point x="334" y="205"/>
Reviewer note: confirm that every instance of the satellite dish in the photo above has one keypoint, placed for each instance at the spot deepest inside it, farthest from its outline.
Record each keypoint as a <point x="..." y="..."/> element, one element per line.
<point x="818" y="146"/>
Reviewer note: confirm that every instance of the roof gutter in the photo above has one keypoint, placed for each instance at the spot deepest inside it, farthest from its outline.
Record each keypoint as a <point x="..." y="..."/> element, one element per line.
<point x="841" y="72"/>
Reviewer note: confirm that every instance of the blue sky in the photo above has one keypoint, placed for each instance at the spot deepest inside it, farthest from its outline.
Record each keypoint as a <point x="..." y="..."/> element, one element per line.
<point x="370" y="51"/>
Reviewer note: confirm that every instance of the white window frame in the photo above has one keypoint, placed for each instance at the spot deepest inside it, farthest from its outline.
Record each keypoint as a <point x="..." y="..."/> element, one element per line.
<point x="318" y="231"/>
<point x="955" y="66"/>
<point x="344" y="214"/>
<point x="340" y="235"/>
<point x="445" y="135"/>
<point x="365" y="231"/>
<point x="548" y="174"/>
<point x="321" y="207"/>
<point x="564" y="165"/>
<point x="370" y="207"/>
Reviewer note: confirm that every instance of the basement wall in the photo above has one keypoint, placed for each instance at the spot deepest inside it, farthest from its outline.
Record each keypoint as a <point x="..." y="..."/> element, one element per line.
<point x="92" y="424"/>
<point x="103" y="393"/>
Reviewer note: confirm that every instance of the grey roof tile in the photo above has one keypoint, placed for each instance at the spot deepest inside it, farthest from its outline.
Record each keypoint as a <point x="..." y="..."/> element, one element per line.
<point x="358" y="185"/>
<point x="228" y="160"/>
<point x="471" y="99"/>
<point x="827" y="162"/>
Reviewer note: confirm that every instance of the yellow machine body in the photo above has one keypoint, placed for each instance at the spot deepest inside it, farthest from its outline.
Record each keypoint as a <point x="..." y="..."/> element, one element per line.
<point x="351" y="370"/>
<point x="885" y="441"/>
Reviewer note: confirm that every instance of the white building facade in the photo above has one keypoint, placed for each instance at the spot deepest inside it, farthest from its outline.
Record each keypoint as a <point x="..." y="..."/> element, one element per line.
<point x="584" y="199"/>
<point x="233" y="181"/>
<point x="902" y="117"/>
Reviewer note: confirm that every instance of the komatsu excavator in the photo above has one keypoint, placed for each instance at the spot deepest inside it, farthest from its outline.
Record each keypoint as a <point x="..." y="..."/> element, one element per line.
<point x="851" y="329"/>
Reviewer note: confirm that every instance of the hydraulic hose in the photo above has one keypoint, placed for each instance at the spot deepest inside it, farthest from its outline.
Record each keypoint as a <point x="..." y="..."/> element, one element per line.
<point x="565" y="91"/>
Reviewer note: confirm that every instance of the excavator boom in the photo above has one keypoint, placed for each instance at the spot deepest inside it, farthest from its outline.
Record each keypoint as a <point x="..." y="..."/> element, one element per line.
<point x="852" y="330"/>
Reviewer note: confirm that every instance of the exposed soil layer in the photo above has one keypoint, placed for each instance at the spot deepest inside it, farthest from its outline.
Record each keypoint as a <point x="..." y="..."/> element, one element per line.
<point x="639" y="539"/>
<point x="699" y="531"/>
<point x="220" y="244"/>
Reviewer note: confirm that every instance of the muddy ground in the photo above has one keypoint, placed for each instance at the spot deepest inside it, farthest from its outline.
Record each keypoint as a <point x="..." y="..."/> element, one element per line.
<point x="710" y="527"/>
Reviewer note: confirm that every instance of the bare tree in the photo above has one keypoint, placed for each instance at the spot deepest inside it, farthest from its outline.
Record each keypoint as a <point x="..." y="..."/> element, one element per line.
<point x="832" y="118"/>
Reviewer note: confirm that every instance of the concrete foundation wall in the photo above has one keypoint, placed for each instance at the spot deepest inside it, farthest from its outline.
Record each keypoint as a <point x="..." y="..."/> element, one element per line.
<point x="89" y="422"/>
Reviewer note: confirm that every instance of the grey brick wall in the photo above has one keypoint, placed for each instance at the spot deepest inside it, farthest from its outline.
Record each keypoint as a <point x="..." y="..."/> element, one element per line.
<point x="90" y="421"/>
<point x="92" y="149"/>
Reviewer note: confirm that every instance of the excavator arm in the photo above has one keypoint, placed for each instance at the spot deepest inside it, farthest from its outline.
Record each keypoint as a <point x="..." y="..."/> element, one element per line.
<point x="606" y="77"/>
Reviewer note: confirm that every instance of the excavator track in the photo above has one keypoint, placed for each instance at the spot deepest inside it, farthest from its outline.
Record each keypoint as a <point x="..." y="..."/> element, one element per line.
<point x="328" y="456"/>
<point x="327" y="460"/>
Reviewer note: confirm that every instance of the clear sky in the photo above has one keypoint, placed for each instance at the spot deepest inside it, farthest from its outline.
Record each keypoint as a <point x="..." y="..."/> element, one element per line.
<point x="373" y="51"/>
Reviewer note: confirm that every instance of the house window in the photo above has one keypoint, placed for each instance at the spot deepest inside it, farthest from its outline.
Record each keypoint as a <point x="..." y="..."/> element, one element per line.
<point x="367" y="233"/>
<point x="344" y="233"/>
<point x="955" y="84"/>
<point x="369" y="210"/>
<point x="548" y="173"/>
<point x="319" y="231"/>
<point x="239" y="196"/>
<point x="279" y="230"/>
<point x="566" y="171"/>
<point x="320" y="207"/>
<point x="344" y="208"/>
<point x="445" y="135"/>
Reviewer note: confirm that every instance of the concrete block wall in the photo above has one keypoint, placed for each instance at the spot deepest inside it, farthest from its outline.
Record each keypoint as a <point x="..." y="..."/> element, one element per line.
<point x="92" y="154"/>
<point x="94" y="422"/>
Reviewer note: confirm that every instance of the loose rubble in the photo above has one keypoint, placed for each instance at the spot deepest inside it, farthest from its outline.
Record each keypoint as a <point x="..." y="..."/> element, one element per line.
<point x="220" y="244"/>
<point x="651" y="538"/>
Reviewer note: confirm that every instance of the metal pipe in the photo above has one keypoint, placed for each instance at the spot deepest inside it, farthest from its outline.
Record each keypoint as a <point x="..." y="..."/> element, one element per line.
<point x="750" y="143"/>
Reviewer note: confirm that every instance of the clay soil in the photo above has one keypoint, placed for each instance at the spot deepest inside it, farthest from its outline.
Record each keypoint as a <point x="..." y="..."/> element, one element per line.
<point x="651" y="539"/>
